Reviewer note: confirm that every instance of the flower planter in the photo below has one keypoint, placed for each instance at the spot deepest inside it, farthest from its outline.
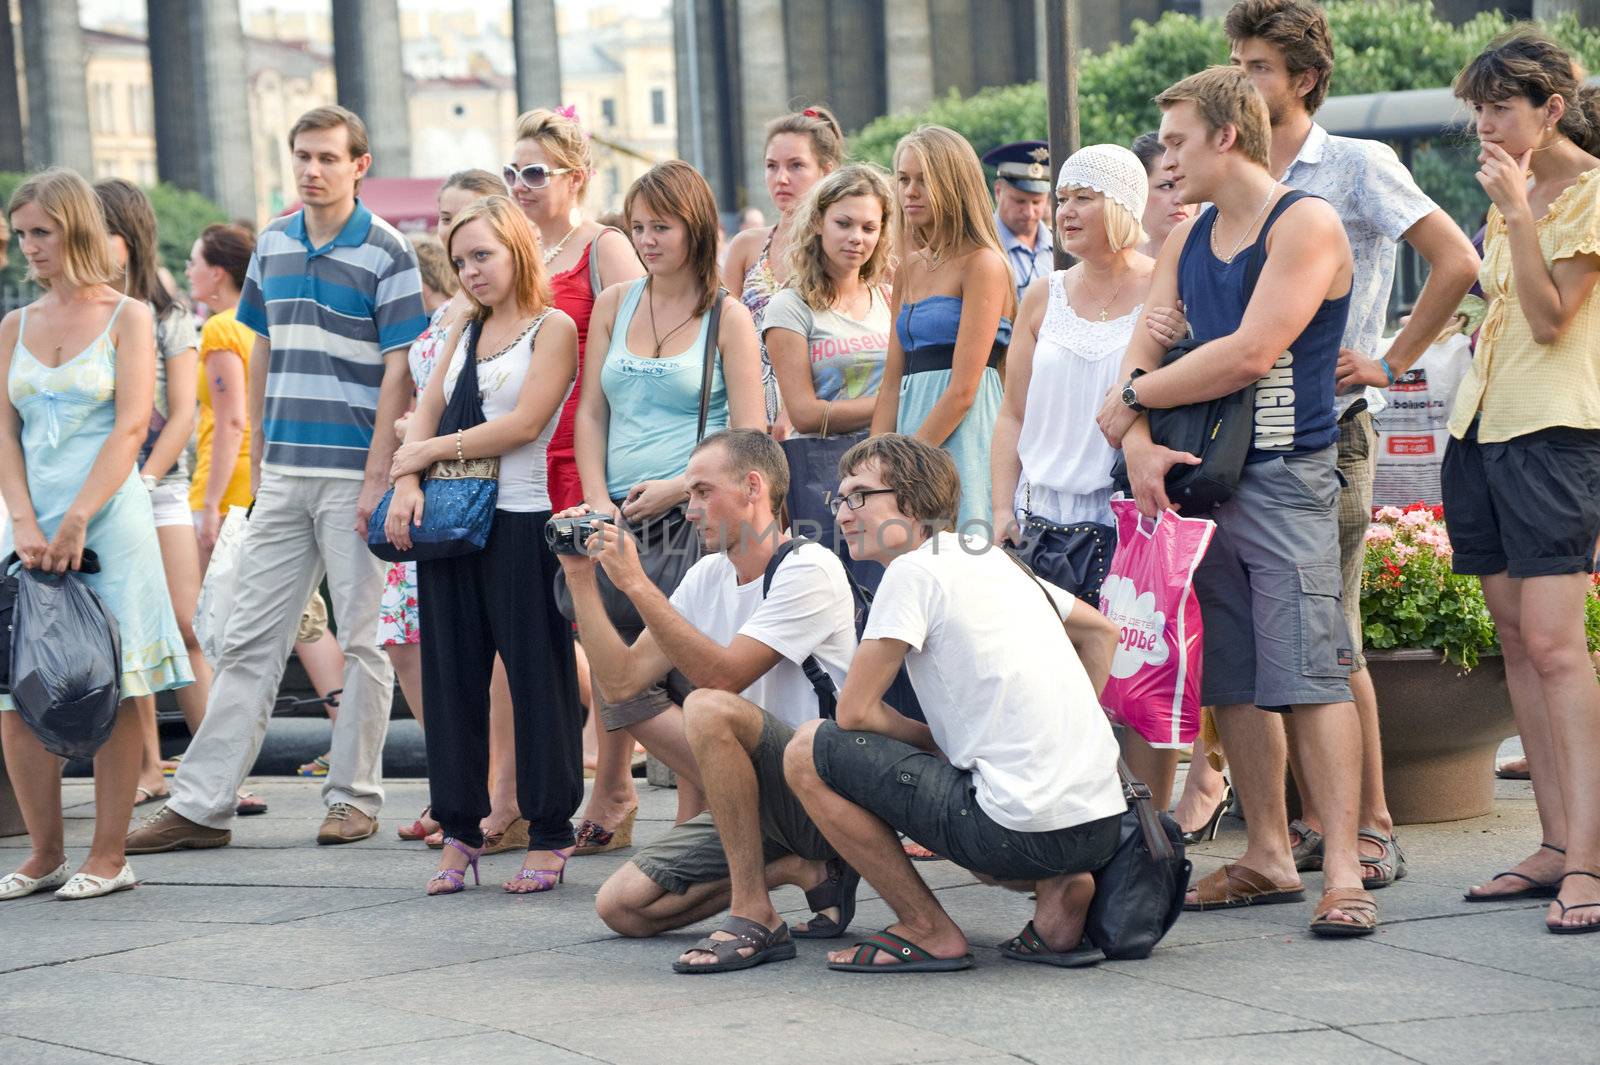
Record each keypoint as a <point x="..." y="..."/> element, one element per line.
<point x="1441" y="728"/>
<point x="10" y="813"/>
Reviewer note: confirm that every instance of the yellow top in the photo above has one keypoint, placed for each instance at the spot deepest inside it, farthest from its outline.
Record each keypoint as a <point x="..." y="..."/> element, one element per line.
<point x="222" y="332"/>
<point x="1520" y="385"/>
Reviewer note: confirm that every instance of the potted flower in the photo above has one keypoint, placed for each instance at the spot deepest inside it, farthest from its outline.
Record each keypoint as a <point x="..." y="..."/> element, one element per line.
<point x="1435" y="662"/>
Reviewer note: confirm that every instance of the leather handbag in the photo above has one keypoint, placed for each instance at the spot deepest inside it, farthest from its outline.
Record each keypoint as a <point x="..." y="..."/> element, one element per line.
<point x="458" y="494"/>
<point x="1217" y="431"/>
<point x="668" y="543"/>
<point x="1138" y="894"/>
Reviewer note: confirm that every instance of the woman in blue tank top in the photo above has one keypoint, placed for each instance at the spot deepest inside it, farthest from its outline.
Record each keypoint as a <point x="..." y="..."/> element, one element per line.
<point x="954" y="298"/>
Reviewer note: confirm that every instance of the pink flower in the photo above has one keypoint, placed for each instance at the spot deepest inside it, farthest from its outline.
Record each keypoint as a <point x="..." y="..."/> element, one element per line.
<point x="1380" y="533"/>
<point x="1390" y="514"/>
<point x="1416" y="518"/>
<point x="1404" y="551"/>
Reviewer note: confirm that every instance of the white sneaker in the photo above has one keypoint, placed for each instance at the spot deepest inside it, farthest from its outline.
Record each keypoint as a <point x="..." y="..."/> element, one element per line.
<point x="89" y="886"/>
<point x="17" y="885"/>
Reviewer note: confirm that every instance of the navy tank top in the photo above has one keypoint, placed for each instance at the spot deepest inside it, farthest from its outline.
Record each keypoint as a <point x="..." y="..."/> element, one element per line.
<point x="1294" y="412"/>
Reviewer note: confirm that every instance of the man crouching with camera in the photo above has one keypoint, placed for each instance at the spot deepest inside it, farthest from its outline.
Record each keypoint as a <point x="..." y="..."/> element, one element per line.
<point x="1014" y="776"/>
<point x="742" y="645"/>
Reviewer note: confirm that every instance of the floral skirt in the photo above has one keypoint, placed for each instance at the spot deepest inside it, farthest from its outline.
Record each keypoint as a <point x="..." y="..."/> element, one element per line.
<point x="397" y="611"/>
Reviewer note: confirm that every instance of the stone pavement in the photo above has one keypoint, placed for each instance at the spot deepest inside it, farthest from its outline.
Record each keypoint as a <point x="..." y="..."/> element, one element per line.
<point x="278" y="950"/>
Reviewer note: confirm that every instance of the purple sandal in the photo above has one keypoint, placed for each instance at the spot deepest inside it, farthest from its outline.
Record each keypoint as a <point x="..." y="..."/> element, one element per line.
<point x="543" y="879"/>
<point x="457" y="878"/>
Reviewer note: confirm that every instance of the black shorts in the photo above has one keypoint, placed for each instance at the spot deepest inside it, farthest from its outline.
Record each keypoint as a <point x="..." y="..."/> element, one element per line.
<point x="934" y="803"/>
<point x="1526" y="507"/>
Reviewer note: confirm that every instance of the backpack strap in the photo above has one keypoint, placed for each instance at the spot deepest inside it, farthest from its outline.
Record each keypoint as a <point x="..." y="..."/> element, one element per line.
<point x="821" y="682"/>
<point x="708" y="361"/>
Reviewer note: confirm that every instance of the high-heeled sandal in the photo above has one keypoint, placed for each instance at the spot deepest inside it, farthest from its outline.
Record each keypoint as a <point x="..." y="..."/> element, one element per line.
<point x="542" y="879"/>
<point x="417" y="830"/>
<point x="1208" y="831"/>
<point x="457" y="878"/>
<point x="595" y="838"/>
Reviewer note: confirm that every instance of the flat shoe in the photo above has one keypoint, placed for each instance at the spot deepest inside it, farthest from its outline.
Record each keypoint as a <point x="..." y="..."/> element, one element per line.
<point x="909" y="958"/>
<point x="89" y="886"/>
<point x="1575" y="929"/>
<point x="250" y="805"/>
<point x="17" y="885"/>
<point x="1028" y="946"/>
<point x="1360" y="911"/>
<point x="839" y="890"/>
<point x="1307" y="853"/>
<point x="1235" y="885"/>
<point x="769" y="944"/>
<point x="1391" y="866"/>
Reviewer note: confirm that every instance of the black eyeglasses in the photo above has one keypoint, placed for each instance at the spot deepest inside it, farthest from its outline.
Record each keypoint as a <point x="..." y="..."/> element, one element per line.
<point x="534" y="175"/>
<point x="854" y="500"/>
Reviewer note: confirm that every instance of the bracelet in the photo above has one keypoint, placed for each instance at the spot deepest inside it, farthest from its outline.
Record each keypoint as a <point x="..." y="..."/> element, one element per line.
<point x="1387" y="371"/>
<point x="827" y="410"/>
<point x="149" y="482"/>
<point x="459" y="456"/>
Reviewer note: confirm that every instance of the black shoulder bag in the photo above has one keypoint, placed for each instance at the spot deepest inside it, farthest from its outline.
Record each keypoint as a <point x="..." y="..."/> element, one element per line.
<point x="1217" y="431"/>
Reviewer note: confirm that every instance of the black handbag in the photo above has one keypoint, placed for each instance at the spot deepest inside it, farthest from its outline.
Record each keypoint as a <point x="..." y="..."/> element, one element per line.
<point x="1138" y="894"/>
<point x="1073" y="557"/>
<point x="458" y="495"/>
<point x="1217" y="431"/>
<point x="668" y="543"/>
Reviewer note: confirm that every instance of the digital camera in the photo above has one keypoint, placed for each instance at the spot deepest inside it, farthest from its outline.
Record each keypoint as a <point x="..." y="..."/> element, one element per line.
<point x="566" y="536"/>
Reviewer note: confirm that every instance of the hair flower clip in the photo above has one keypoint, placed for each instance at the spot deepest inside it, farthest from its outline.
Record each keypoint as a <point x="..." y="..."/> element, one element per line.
<point x="568" y="111"/>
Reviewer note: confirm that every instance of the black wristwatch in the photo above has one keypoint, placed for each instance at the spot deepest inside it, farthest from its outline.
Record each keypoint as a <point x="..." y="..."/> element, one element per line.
<point x="1130" y="398"/>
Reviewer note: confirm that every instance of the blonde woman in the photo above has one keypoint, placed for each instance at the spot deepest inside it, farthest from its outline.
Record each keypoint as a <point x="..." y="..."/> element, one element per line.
<point x="79" y="366"/>
<point x="954" y="297"/>
<point x="522" y="355"/>
<point x="801" y="149"/>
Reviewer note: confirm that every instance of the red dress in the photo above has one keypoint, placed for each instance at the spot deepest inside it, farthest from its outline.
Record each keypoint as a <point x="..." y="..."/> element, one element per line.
<point x="574" y="297"/>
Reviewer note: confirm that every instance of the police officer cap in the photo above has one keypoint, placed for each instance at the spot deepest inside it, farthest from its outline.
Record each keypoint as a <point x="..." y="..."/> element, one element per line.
<point x="1023" y="164"/>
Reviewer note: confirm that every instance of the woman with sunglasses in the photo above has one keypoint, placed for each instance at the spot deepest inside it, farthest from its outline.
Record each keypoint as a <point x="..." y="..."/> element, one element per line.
<point x="549" y="177"/>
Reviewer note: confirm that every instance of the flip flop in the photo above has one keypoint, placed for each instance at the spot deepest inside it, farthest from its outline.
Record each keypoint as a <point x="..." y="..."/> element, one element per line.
<point x="143" y="796"/>
<point x="771" y="944"/>
<point x="1575" y="929"/>
<point x="918" y="853"/>
<point x="1028" y="946"/>
<point x="250" y="804"/>
<point x="909" y="958"/>
<point x="838" y="890"/>
<point x="1504" y="773"/>
<point x="1536" y="889"/>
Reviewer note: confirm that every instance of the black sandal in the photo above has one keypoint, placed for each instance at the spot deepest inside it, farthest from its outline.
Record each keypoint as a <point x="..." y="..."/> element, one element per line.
<point x="1029" y="946"/>
<point x="839" y="890"/>
<point x="771" y="944"/>
<point x="1536" y="889"/>
<point x="909" y="958"/>
<point x="1575" y="929"/>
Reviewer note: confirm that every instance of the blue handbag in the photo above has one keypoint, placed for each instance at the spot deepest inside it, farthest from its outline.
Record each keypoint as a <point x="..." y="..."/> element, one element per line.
<point x="458" y="495"/>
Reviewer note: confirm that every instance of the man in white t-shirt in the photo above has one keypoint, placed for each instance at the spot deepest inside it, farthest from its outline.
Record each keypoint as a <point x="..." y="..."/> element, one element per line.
<point x="745" y="647"/>
<point x="1014" y="776"/>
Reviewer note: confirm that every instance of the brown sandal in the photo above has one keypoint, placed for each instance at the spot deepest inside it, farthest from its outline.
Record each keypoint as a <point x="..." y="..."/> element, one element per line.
<point x="1235" y="885"/>
<point x="1359" y="908"/>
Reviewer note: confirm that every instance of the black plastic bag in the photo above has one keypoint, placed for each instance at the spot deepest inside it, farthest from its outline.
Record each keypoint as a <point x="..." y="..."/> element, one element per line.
<point x="8" y="607"/>
<point x="1139" y="893"/>
<point x="66" y="661"/>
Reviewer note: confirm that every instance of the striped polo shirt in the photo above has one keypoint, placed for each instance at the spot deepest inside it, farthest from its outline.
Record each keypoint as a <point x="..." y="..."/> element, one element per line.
<point x="329" y="314"/>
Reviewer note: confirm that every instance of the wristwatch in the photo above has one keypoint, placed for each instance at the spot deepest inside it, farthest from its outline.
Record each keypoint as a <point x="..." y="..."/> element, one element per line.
<point x="150" y="482"/>
<point x="1130" y="398"/>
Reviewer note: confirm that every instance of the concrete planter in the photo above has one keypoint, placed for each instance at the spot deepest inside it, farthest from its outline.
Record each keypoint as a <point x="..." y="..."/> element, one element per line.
<point x="10" y="814"/>
<point x="1441" y="728"/>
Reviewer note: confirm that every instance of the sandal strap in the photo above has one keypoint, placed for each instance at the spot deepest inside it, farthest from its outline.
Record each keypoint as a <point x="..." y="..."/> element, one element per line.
<point x="1581" y="872"/>
<point x="1028" y="941"/>
<point x="745" y="933"/>
<point x="453" y="876"/>
<point x="1350" y="900"/>
<point x="470" y="853"/>
<point x="826" y="894"/>
<point x="1553" y="847"/>
<point x="1519" y="876"/>
<point x="887" y="942"/>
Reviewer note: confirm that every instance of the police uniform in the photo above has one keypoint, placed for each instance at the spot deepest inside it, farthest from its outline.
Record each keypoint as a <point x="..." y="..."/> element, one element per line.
<point x="1025" y="165"/>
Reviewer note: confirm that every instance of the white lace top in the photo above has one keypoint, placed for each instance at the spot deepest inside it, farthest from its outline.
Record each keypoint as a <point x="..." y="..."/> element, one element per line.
<point x="1066" y="462"/>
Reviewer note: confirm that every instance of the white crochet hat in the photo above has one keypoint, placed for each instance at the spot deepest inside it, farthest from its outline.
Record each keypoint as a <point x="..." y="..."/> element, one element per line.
<point x="1110" y="169"/>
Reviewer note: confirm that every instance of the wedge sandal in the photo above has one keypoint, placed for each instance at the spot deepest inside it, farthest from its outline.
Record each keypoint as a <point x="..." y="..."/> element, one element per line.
<point x="838" y="891"/>
<point x="769" y="944"/>
<point x="1235" y="885"/>
<point x="1028" y="946"/>
<point x="1357" y="905"/>
<point x="909" y="958"/>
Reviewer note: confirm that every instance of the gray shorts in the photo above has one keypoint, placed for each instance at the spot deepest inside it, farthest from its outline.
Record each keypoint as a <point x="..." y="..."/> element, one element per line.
<point x="1357" y="456"/>
<point x="935" y="804"/>
<point x="670" y="691"/>
<point x="691" y="853"/>
<point x="1270" y="590"/>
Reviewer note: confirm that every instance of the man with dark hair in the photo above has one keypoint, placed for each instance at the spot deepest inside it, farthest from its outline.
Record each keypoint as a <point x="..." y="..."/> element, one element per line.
<point x="1287" y="50"/>
<point x="745" y="631"/>
<point x="334" y="294"/>
<point x="1014" y="776"/>
<point x="1275" y="636"/>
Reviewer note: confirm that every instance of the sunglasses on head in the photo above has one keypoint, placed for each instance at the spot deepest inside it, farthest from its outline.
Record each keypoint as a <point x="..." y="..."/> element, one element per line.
<point x="533" y="176"/>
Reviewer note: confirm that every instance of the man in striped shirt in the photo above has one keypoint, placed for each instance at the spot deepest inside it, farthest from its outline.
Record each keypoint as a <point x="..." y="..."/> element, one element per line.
<point x="336" y="299"/>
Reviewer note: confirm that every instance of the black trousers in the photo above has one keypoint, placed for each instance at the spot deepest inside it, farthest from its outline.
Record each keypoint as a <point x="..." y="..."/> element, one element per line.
<point x="500" y="600"/>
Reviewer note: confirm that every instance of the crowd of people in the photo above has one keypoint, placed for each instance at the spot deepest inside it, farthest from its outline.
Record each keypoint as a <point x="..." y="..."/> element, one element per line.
<point x="894" y="369"/>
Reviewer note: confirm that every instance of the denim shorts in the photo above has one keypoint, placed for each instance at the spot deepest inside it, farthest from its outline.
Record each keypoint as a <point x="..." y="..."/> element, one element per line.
<point x="934" y="803"/>
<point x="691" y="853"/>
<point x="1525" y="507"/>
<point x="1270" y="590"/>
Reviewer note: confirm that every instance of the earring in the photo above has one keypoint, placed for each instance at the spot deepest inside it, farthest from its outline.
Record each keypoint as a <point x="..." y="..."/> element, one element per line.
<point x="574" y="216"/>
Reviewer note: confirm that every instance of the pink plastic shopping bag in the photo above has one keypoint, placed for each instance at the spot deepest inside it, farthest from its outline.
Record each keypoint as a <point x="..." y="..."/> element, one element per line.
<point x="1149" y="593"/>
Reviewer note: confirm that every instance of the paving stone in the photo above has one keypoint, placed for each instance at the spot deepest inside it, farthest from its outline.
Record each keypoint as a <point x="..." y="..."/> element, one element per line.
<point x="30" y="942"/>
<point x="15" y="1051"/>
<point x="493" y="1048"/>
<point x="213" y="905"/>
<point x="1505" y="939"/>
<point x="197" y="1022"/>
<point x="1303" y="1048"/>
<point x="1567" y="1035"/>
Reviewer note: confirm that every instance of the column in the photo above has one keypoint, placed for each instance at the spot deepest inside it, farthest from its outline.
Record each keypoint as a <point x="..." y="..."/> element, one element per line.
<point x="708" y="76"/>
<point x="909" y="54"/>
<point x="12" y="153"/>
<point x="174" y="92"/>
<point x="763" y="90"/>
<point x="221" y="69"/>
<point x="366" y="63"/>
<point x="538" y="53"/>
<point x="58" y="102"/>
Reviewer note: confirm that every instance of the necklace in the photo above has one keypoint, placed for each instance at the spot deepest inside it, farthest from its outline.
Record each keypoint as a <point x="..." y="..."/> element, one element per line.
<point x="1083" y="280"/>
<point x="550" y="255"/>
<point x="650" y="296"/>
<point x="1229" y="257"/>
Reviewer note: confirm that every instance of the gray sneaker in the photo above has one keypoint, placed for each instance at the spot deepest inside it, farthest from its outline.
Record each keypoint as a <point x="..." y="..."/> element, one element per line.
<point x="345" y="824"/>
<point x="168" y="830"/>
